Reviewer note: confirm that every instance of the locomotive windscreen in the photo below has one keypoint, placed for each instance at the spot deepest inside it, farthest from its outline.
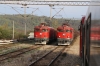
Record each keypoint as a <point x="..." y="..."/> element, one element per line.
<point x="68" y="31"/>
<point x="44" y="30"/>
<point x="60" y="30"/>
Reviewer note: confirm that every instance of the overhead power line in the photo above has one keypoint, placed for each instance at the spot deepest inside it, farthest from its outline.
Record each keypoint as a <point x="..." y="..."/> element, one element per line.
<point x="55" y="9"/>
<point x="17" y="12"/>
<point x="58" y="12"/>
<point x="64" y="13"/>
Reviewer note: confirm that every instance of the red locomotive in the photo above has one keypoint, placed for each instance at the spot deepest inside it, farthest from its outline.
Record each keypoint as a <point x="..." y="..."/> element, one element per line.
<point x="65" y="34"/>
<point x="95" y="34"/>
<point x="43" y="34"/>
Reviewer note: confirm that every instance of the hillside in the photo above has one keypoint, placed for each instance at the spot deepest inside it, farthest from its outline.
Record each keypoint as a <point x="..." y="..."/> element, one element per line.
<point x="6" y="22"/>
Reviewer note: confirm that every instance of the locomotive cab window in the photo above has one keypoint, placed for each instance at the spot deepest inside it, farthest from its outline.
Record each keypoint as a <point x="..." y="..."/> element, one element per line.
<point x="44" y="30"/>
<point x="60" y="31"/>
<point x="68" y="31"/>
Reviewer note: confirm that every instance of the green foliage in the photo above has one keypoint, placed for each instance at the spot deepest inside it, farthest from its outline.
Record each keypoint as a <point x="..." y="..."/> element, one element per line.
<point x="20" y="36"/>
<point x="4" y="33"/>
<point x="6" y="24"/>
<point x="55" y="23"/>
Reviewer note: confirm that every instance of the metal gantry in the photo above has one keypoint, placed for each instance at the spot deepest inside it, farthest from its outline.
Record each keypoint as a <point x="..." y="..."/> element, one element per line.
<point x="59" y="3"/>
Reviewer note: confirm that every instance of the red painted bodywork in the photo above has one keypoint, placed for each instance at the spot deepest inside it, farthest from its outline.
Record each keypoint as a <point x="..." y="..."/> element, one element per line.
<point x="82" y="22"/>
<point x="38" y="33"/>
<point x="65" y="34"/>
<point x="95" y="33"/>
<point x="43" y="31"/>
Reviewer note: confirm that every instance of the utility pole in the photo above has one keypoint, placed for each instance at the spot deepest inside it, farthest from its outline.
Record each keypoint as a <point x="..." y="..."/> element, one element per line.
<point x="73" y="19"/>
<point x="51" y="11"/>
<point x="25" y="17"/>
<point x="13" y="30"/>
<point x="62" y="19"/>
<point x="22" y="15"/>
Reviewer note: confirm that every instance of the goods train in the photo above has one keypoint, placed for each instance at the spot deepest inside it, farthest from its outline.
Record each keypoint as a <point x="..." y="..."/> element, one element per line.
<point x="44" y="34"/>
<point x="65" y="34"/>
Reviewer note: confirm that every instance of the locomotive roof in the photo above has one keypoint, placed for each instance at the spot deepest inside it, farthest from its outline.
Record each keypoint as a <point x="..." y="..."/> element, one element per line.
<point x="64" y="27"/>
<point x="65" y="24"/>
<point x="43" y="26"/>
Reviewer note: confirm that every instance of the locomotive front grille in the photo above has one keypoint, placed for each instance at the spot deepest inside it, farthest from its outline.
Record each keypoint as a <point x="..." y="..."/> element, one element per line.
<point x="63" y="39"/>
<point x="40" y="39"/>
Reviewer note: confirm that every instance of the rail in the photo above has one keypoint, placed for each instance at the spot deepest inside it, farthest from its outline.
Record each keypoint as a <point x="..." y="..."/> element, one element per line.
<point x="17" y="52"/>
<point x="47" y="55"/>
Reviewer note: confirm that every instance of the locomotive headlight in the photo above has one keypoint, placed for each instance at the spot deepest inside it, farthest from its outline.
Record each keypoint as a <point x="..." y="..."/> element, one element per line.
<point x="59" y="36"/>
<point x="40" y="33"/>
<point x="63" y="34"/>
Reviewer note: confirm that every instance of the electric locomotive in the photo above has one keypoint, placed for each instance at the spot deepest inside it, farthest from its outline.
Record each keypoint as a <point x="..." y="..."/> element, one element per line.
<point x="44" y="34"/>
<point x="95" y="34"/>
<point x="65" y="34"/>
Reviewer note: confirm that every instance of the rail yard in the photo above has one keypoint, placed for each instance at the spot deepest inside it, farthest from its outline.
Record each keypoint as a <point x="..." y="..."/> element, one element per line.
<point x="49" y="33"/>
<point x="51" y="54"/>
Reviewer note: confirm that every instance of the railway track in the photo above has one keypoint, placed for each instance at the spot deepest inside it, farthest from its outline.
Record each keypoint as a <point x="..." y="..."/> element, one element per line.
<point x="7" y="46"/>
<point x="49" y="58"/>
<point x="18" y="52"/>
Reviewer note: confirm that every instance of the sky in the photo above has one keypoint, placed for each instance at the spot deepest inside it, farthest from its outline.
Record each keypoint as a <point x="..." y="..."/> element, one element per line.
<point x="44" y="10"/>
